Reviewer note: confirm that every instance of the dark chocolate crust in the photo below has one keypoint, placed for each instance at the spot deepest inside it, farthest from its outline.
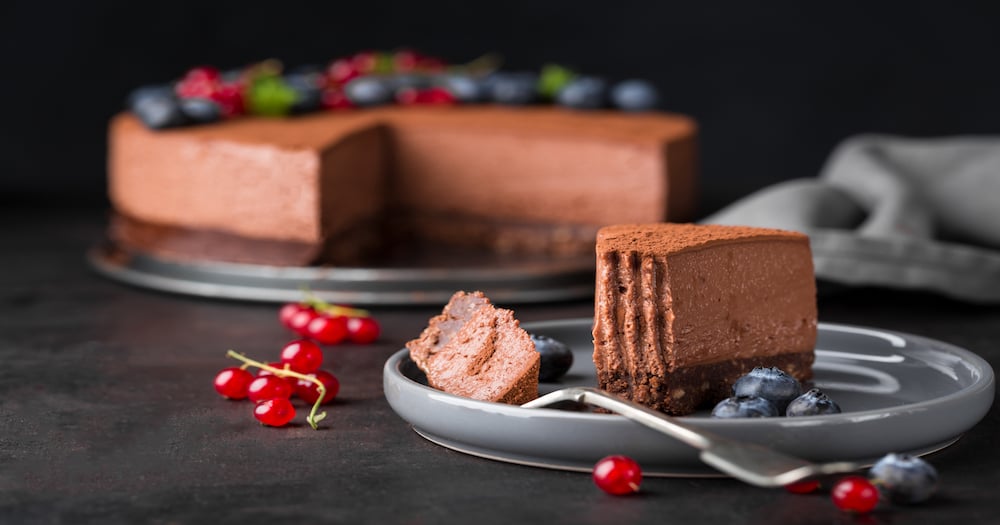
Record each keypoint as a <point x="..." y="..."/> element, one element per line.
<point x="360" y="246"/>
<point x="687" y="389"/>
<point x="186" y="244"/>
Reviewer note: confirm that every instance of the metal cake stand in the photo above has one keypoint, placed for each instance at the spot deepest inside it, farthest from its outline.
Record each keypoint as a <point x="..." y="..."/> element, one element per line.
<point x="425" y="276"/>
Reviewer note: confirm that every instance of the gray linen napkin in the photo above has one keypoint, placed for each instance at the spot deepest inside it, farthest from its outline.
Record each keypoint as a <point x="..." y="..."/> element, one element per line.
<point x="895" y="212"/>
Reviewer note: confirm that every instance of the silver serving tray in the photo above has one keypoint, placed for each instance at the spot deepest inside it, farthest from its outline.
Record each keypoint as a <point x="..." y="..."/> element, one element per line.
<point x="426" y="278"/>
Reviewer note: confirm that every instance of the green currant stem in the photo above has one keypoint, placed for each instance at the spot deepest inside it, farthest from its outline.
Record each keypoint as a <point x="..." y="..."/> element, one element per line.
<point x="480" y="66"/>
<point x="313" y="418"/>
<point x="333" y="309"/>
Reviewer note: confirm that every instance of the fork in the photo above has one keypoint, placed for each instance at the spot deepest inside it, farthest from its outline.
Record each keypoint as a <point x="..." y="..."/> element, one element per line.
<point x="749" y="462"/>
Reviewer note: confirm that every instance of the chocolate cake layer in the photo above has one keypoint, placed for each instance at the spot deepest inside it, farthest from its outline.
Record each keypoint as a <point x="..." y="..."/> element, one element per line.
<point x="676" y="301"/>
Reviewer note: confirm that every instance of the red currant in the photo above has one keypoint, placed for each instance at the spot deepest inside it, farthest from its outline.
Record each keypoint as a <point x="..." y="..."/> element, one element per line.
<point x="803" y="487"/>
<point x="437" y="96"/>
<point x="268" y="387"/>
<point x="335" y="99"/>
<point x="233" y="382"/>
<point x="342" y="71"/>
<point x="203" y="74"/>
<point x="275" y="412"/>
<point x="365" y="62"/>
<point x="288" y="311"/>
<point x="299" y="323"/>
<point x="363" y="330"/>
<point x="617" y="475"/>
<point x="855" y="494"/>
<point x="302" y="356"/>
<point x="199" y="82"/>
<point x="309" y="392"/>
<point x="230" y="99"/>
<point x="328" y="330"/>
<point x="405" y="60"/>
<point x="407" y="96"/>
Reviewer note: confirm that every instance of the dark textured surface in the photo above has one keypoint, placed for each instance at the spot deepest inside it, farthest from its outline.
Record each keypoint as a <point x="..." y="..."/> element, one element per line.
<point x="107" y="415"/>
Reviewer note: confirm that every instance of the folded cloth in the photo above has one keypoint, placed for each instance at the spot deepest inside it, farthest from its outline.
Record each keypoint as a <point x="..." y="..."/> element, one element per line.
<point x="895" y="212"/>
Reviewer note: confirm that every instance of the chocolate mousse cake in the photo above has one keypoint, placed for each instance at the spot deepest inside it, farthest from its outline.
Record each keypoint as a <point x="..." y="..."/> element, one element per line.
<point x="683" y="310"/>
<point x="473" y="349"/>
<point x="335" y="187"/>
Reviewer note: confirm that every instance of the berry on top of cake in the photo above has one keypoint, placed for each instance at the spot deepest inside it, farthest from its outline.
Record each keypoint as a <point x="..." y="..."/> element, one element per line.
<point x="683" y="310"/>
<point x="476" y="350"/>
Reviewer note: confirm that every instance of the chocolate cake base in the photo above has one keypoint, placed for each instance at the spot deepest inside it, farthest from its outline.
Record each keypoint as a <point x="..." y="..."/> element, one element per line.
<point x="361" y="246"/>
<point x="687" y="389"/>
<point x="186" y="244"/>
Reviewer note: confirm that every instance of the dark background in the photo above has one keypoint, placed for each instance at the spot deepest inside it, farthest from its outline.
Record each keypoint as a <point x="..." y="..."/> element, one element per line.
<point x="773" y="87"/>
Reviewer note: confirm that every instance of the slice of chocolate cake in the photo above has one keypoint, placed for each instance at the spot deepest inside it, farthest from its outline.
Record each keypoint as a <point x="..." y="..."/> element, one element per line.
<point x="473" y="349"/>
<point x="683" y="310"/>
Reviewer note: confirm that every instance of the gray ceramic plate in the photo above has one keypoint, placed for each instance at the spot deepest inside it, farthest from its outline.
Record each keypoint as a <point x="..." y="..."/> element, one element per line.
<point x="898" y="392"/>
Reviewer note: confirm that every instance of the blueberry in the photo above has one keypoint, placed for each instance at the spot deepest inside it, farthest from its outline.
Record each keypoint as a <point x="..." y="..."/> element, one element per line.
<point x="369" y="91"/>
<point x="770" y="383"/>
<point x="515" y="89"/>
<point x="744" y="406"/>
<point x="308" y="89"/>
<point x="465" y="88"/>
<point x="155" y="90"/>
<point x="905" y="478"/>
<point x="556" y="357"/>
<point x="201" y="110"/>
<point x="306" y="70"/>
<point x="583" y="93"/>
<point x="812" y="403"/>
<point x="159" y="111"/>
<point x="634" y="95"/>
<point x="403" y="81"/>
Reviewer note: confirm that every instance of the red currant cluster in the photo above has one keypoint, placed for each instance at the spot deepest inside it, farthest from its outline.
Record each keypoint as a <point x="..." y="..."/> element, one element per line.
<point x="329" y="324"/>
<point x="406" y="61"/>
<point x="206" y="82"/>
<point x="296" y="374"/>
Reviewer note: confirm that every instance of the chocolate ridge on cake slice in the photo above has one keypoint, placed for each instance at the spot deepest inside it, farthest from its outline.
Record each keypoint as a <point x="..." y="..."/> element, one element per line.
<point x="475" y="350"/>
<point x="683" y="310"/>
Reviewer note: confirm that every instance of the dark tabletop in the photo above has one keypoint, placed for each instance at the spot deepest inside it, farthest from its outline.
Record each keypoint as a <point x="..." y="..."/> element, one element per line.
<point x="107" y="415"/>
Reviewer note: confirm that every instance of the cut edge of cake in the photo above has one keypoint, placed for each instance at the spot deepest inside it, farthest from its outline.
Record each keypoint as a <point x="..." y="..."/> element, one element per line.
<point x="476" y="350"/>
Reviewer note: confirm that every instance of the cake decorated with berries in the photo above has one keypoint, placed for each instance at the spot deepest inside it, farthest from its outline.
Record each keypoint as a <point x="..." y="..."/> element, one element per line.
<point x="329" y="167"/>
<point x="683" y="310"/>
<point x="474" y="349"/>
